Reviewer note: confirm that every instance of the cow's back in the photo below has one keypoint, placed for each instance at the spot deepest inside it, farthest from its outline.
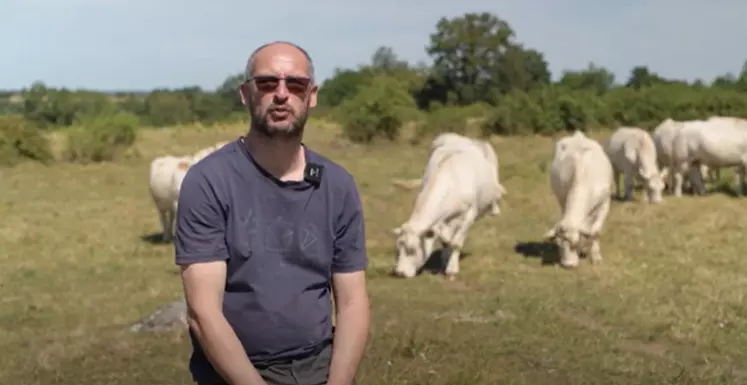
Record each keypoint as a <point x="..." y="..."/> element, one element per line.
<point x="161" y="176"/>
<point x="457" y="176"/>
<point x="663" y="137"/>
<point x="579" y="163"/>
<point x="717" y="142"/>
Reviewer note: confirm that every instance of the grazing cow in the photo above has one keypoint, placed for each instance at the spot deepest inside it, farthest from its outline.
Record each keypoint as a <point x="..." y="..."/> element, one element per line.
<point x="199" y="155"/>
<point x="580" y="178"/>
<point x="716" y="142"/>
<point x="460" y="185"/>
<point x="663" y="137"/>
<point x="632" y="152"/>
<point x="164" y="182"/>
<point x="452" y="140"/>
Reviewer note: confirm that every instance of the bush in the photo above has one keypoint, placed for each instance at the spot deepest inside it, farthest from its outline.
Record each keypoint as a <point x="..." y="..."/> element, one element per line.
<point x="101" y="138"/>
<point x="20" y="139"/>
<point x="552" y="109"/>
<point x="378" y="110"/>
<point x="445" y="119"/>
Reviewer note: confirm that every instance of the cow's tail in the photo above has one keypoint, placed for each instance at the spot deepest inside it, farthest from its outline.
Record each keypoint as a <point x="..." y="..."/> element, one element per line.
<point x="407" y="184"/>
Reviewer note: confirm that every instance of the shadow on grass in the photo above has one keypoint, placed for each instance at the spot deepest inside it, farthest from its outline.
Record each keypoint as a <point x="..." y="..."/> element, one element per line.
<point x="548" y="252"/>
<point x="434" y="265"/>
<point x="154" y="239"/>
<point x="725" y="188"/>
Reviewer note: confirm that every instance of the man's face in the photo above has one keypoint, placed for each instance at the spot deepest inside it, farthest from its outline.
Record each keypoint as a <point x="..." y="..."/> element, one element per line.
<point x="279" y="93"/>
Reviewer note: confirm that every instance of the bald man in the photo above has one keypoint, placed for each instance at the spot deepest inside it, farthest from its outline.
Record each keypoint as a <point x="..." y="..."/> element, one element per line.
<point x="266" y="231"/>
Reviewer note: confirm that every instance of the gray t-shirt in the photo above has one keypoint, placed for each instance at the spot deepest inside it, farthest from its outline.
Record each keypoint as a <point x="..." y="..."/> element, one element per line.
<point x="281" y="241"/>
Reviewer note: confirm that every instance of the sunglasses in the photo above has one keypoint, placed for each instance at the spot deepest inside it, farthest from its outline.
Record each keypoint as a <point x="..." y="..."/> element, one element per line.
<point x="268" y="83"/>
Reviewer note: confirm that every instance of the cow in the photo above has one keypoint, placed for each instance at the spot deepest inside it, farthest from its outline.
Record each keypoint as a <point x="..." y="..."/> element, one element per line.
<point x="452" y="140"/>
<point x="460" y="185"/>
<point x="716" y="142"/>
<point x="663" y="136"/>
<point x="632" y="152"/>
<point x="580" y="178"/>
<point x="164" y="183"/>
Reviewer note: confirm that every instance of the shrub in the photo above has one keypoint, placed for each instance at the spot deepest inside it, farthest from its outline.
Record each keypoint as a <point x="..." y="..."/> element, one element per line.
<point x="20" y="139"/>
<point x="379" y="109"/>
<point x="101" y="138"/>
<point x="444" y="119"/>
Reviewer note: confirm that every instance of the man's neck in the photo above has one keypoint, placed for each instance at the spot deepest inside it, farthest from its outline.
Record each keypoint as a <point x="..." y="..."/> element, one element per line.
<point x="282" y="157"/>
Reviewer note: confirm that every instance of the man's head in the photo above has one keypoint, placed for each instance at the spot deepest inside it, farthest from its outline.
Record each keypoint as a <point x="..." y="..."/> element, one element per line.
<point x="279" y="89"/>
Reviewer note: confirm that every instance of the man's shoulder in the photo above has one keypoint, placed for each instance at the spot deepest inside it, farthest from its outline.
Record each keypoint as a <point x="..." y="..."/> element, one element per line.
<point x="212" y="170"/>
<point x="216" y="161"/>
<point x="335" y="171"/>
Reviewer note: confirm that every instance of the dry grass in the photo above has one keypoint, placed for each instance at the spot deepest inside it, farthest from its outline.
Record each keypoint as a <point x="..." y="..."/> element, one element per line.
<point x="667" y="304"/>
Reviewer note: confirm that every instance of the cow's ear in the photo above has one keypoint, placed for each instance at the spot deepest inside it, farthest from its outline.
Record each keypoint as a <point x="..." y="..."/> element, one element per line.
<point x="397" y="231"/>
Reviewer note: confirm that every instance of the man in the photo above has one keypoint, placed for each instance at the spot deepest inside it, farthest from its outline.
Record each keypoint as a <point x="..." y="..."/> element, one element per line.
<point x="266" y="228"/>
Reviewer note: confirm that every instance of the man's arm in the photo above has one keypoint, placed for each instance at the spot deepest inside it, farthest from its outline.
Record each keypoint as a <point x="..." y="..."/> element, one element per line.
<point x="201" y="252"/>
<point x="352" y="309"/>
<point x="352" y="326"/>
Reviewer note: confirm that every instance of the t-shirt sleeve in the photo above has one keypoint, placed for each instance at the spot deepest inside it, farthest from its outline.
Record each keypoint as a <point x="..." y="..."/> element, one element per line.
<point x="200" y="222"/>
<point x="350" y="235"/>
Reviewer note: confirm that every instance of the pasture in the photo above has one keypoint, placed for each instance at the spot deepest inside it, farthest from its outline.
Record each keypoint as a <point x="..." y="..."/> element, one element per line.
<point x="666" y="305"/>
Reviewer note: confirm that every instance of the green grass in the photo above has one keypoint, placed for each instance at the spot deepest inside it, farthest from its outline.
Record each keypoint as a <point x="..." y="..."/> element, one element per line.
<point x="666" y="305"/>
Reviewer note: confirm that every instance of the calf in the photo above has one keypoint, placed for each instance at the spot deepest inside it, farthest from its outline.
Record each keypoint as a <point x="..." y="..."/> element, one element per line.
<point x="580" y="178"/>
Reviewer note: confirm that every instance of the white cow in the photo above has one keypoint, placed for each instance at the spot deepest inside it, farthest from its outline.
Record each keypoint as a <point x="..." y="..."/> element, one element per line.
<point x="663" y="137"/>
<point x="460" y="185"/>
<point x="164" y="183"/>
<point x="453" y="141"/>
<point x="199" y="155"/>
<point x="580" y="178"/>
<point x="716" y="142"/>
<point x="632" y="152"/>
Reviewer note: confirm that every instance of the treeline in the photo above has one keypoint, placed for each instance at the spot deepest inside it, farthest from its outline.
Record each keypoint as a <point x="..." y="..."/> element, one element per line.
<point x="481" y="75"/>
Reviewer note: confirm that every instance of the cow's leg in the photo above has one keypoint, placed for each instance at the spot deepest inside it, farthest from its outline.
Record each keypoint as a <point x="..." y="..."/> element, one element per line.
<point x="665" y="170"/>
<point x="168" y="225"/>
<point x="679" y="172"/>
<point x="495" y="208"/>
<point x="740" y="177"/>
<point x="568" y="254"/>
<point x="595" y="255"/>
<point x="616" y="173"/>
<point x="458" y="239"/>
<point x="162" y="217"/>
<point x="429" y="239"/>
<point x="628" y="185"/>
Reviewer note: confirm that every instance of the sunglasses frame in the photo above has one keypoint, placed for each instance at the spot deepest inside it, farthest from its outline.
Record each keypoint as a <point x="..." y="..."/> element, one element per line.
<point x="302" y="82"/>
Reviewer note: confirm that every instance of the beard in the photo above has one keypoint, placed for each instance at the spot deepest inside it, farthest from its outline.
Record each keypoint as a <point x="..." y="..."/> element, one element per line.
<point x="262" y="122"/>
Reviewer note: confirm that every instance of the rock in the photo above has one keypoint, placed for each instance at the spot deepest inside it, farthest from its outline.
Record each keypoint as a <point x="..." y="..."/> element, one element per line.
<point x="165" y="317"/>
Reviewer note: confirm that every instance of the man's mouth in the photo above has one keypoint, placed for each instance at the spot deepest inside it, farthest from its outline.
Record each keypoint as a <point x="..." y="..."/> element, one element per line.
<point x="280" y="113"/>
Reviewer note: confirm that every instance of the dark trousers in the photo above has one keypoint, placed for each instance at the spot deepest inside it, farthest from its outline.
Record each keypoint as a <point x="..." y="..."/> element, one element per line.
<point x="312" y="370"/>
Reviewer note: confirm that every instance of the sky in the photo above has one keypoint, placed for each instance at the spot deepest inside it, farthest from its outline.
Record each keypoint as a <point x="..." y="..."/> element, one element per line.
<point x="142" y="44"/>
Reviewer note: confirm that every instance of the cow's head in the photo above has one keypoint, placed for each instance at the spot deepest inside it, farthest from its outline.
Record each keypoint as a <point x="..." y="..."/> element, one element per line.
<point x="655" y="186"/>
<point x="561" y="233"/>
<point x="410" y="252"/>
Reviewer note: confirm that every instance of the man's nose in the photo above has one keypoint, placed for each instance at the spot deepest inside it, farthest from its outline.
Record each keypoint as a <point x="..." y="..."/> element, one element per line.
<point x="282" y="93"/>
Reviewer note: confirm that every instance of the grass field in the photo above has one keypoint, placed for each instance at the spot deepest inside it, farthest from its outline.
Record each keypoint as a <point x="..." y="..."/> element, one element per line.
<point x="666" y="305"/>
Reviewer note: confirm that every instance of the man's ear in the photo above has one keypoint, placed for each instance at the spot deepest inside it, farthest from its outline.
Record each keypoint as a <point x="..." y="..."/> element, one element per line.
<point x="244" y="93"/>
<point x="313" y="92"/>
